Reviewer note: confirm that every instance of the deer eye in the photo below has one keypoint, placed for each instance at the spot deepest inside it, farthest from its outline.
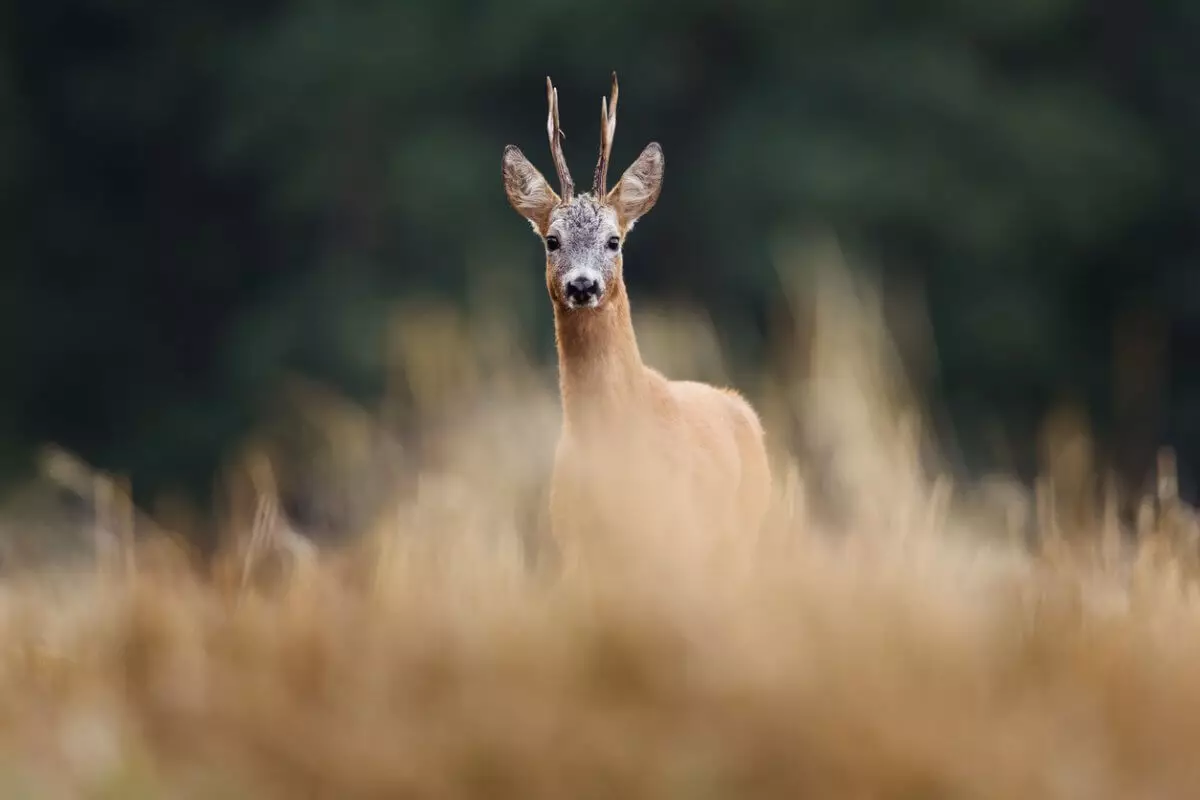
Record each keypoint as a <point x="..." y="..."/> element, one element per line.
<point x="552" y="243"/>
<point x="614" y="243"/>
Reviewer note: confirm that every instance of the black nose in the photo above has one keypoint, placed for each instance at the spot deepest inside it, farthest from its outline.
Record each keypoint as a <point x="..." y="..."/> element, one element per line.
<point x="582" y="290"/>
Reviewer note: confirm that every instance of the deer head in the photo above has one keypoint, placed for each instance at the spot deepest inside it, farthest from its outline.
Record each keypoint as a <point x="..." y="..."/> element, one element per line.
<point x="583" y="234"/>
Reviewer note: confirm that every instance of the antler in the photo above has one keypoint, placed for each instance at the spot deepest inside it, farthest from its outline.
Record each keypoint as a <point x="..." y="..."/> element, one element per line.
<point x="608" y="129"/>
<point x="556" y="136"/>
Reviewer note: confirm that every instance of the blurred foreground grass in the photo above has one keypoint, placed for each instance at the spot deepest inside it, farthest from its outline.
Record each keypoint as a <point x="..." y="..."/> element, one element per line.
<point x="888" y="634"/>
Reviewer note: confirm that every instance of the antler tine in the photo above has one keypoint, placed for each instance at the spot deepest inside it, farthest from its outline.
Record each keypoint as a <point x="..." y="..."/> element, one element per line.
<point x="554" y="129"/>
<point x="608" y="129"/>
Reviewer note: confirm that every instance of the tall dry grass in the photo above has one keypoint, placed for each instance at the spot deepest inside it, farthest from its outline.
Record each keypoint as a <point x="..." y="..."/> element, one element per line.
<point x="904" y="642"/>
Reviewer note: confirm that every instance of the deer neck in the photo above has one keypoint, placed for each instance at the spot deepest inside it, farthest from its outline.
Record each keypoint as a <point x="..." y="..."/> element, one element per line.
<point x="600" y="367"/>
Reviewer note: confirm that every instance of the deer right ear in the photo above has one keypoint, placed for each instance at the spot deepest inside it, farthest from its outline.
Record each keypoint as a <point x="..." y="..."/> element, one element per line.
<point x="638" y="190"/>
<point x="528" y="192"/>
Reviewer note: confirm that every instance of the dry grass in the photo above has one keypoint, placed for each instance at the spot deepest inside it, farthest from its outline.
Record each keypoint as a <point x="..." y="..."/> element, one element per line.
<point x="907" y="650"/>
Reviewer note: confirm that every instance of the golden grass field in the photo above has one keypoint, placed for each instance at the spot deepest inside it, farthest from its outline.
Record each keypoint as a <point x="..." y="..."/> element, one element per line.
<point x="911" y="646"/>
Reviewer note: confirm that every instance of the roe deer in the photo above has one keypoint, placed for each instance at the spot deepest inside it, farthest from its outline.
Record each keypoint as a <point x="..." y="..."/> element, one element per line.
<point x="636" y="450"/>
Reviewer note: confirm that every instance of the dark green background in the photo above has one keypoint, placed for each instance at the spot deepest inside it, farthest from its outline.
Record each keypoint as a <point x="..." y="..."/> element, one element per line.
<point x="197" y="195"/>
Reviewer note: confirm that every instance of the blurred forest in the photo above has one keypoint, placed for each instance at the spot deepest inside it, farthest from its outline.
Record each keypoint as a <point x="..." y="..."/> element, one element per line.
<point x="199" y="197"/>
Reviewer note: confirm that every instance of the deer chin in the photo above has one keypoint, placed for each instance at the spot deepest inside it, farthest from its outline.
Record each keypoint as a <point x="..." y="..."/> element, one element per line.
<point x="590" y="303"/>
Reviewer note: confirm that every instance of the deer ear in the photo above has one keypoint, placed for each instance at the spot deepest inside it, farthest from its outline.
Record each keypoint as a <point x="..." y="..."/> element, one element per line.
<point x="638" y="190"/>
<point x="527" y="190"/>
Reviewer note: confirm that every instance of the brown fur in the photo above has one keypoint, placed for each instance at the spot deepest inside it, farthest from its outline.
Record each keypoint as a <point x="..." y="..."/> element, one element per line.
<point x="687" y="455"/>
<point x="688" y="458"/>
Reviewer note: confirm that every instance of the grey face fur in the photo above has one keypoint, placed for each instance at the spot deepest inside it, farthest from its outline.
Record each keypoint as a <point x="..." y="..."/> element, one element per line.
<point x="588" y="236"/>
<point x="585" y="228"/>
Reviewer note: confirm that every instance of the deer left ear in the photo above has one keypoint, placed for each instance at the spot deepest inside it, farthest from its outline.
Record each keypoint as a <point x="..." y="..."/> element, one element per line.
<point x="639" y="187"/>
<point x="528" y="192"/>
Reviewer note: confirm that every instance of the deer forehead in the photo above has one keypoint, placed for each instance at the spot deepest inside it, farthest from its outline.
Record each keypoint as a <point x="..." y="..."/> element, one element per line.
<point x="583" y="218"/>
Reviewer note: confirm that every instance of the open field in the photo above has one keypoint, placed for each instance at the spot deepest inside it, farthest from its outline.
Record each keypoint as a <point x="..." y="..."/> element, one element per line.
<point x="907" y="646"/>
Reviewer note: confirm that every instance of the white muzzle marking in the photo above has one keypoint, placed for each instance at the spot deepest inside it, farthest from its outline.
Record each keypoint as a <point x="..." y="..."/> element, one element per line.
<point x="589" y="274"/>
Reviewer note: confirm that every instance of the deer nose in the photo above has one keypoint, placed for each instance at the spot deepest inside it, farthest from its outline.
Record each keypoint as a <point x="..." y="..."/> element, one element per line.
<point x="582" y="290"/>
